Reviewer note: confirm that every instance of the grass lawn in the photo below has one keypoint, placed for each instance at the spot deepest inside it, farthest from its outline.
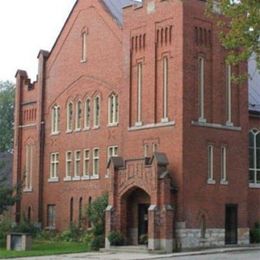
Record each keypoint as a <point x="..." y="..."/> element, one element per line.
<point x="42" y="248"/>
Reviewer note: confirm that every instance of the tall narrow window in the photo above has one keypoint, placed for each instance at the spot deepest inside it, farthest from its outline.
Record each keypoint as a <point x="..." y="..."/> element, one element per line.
<point x="165" y="89"/>
<point x="84" y="47"/>
<point x="223" y="164"/>
<point x="112" y="151"/>
<point x="80" y="211"/>
<point x="28" y="167"/>
<point x="69" y="116"/>
<point x="54" y="171"/>
<point x="68" y="164"/>
<point x="97" y="111"/>
<point x="210" y="164"/>
<point x="51" y="216"/>
<point x="254" y="157"/>
<point x="55" y="119"/>
<point x="78" y="115"/>
<point x="71" y="210"/>
<point x="113" y="109"/>
<point x="139" y="93"/>
<point x="86" y="163"/>
<point x="229" y="94"/>
<point x="201" y="65"/>
<point x="87" y="113"/>
<point x="96" y="162"/>
<point x="77" y="164"/>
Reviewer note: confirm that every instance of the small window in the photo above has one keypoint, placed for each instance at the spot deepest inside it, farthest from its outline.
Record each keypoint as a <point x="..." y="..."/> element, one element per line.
<point x="77" y="164"/>
<point x="96" y="162"/>
<point x="84" y="47"/>
<point x="78" y="115"/>
<point x="113" y="109"/>
<point x="51" y="216"/>
<point x="165" y="89"/>
<point x="86" y="162"/>
<point x="210" y="163"/>
<point x="28" y="167"/>
<point x="97" y="112"/>
<point x="229" y="94"/>
<point x="87" y="114"/>
<point x="69" y="116"/>
<point x="201" y="65"/>
<point x="68" y="164"/>
<point x="139" y="92"/>
<point x="55" y="119"/>
<point x="54" y="171"/>
<point x="112" y="151"/>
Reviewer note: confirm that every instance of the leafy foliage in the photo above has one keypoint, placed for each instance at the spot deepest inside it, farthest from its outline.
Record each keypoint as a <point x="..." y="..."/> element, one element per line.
<point x="7" y="92"/>
<point x="240" y="33"/>
<point x="73" y="234"/>
<point x="255" y="233"/>
<point x="116" y="238"/>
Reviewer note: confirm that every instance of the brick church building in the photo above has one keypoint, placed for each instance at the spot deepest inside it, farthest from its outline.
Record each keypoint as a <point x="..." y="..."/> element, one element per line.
<point x="136" y="99"/>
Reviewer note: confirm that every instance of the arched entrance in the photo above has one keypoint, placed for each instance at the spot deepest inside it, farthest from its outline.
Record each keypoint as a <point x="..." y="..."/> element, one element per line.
<point x="134" y="206"/>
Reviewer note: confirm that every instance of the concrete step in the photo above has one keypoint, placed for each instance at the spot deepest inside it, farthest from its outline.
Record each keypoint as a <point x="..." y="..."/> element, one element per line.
<point x="126" y="249"/>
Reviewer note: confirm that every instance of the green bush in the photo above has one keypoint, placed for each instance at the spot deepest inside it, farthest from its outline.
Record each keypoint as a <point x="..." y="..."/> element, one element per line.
<point x="73" y="234"/>
<point x="255" y="233"/>
<point x="50" y="235"/>
<point x="88" y="237"/>
<point x="116" y="238"/>
<point x="5" y="228"/>
<point x="26" y="227"/>
<point x="97" y="242"/>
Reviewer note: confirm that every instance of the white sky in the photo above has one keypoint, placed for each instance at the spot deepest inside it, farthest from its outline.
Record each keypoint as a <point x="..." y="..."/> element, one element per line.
<point x="26" y="26"/>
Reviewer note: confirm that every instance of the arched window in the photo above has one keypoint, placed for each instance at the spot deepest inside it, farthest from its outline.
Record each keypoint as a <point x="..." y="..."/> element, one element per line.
<point x="87" y="113"/>
<point x="84" y="47"/>
<point x="55" y="115"/>
<point x="254" y="157"/>
<point x="28" y="167"/>
<point x="69" y="116"/>
<point x="165" y="89"/>
<point x="71" y="210"/>
<point x="80" y="211"/>
<point x="97" y="111"/>
<point x="201" y="88"/>
<point x="78" y="115"/>
<point x="113" y="109"/>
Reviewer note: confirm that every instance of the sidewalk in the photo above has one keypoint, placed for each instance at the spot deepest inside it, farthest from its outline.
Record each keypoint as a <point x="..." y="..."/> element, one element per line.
<point x="141" y="256"/>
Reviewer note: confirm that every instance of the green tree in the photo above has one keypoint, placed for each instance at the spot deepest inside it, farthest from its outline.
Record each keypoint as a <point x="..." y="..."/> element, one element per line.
<point x="240" y="33"/>
<point x="6" y="115"/>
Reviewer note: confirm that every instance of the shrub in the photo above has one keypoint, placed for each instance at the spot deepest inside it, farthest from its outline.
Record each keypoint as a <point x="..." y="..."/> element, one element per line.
<point x="26" y="227"/>
<point x="88" y="237"/>
<point x="47" y="235"/>
<point x="72" y="234"/>
<point x="116" y="238"/>
<point x="5" y="228"/>
<point x="255" y="233"/>
<point x="97" y="242"/>
<point x="144" y="239"/>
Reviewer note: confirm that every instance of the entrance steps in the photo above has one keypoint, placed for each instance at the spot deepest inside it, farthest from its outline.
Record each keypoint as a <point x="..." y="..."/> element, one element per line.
<point x="126" y="249"/>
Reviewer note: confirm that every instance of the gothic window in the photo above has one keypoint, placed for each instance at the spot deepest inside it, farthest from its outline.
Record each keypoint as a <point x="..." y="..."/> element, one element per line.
<point x="201" y="80"/>
<point x="86" y="162"/>
<point x="68" y="164"/>
<point x="97" y="111"/>
<point x="228" y="94"/>
<point x="96" y="162"/>
<point x="78" y="115"/>
<point x="254" y="157"/>
<point x="87" y="113"/>
<point x="165" y="88"/>
<point x="55" y="114"/>
<point x="113" y="109"/>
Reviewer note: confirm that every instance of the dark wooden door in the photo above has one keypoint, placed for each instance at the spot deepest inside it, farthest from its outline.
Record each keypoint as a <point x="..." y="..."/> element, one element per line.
<point x="231" y="224"/>
<point x="142" y="220"/>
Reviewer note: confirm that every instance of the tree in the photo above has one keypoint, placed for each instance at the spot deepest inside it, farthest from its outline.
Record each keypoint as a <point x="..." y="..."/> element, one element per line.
<point x="6" y="115"/>
<point x="240" y="33"/>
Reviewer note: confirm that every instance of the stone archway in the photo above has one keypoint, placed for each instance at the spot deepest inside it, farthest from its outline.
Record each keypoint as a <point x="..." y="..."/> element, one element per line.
<point x="134" y="215"/>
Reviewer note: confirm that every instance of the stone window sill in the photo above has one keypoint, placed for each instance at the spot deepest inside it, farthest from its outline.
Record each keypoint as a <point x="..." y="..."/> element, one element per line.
<point x="77" y="130"/>
<point x="76" y="178"/>
<point x="112" y="125"/>
<point x="52" y="180"/>
<point x="150" y="126"/>
<point x="68" y="178"/>
<point x="165" y="120"/>
<point x="27" y="190"/>
<point x="85" y="178"/>
<point x="215" y="125"/>
<point x="96" y="127"/>
<point x="69" y="131"/>
<point x="86" y="129"/>
<point x="224" y="182"/>
<point x="211" y="182"/>
<point x="254" y="185"/>
<point x="55" y="133"/>
<point x="94" y="177"/>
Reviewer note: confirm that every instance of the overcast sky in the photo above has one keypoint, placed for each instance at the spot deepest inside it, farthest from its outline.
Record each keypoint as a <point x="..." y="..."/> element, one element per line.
<point x="26" y="26"/>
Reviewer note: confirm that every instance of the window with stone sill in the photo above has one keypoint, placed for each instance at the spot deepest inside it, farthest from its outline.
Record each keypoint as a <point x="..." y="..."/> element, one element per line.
<point x="254" y="157"/>
<point x="224" y="165"/>
<point x="86" y="163"/>
<point x="210" y="164"/>
<point x="70" y="116"/>
<point x="28" y="167"/>
<point x="55" y="119"/>
<point x="78" y="115"/>
<point x="87" y="113"/>
<point x="54" y="166"/>
<point x="68" y="164"/>
<point x="95" y="162"/>
<point x="113" y="109"/>
<point x="96" y="112"/>
<point x="77" y="159"/>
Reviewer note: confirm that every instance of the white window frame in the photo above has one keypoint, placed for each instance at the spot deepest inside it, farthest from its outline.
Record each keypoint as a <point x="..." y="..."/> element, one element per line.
<point x="70" y="117"/>
<point x="96" y="168"/>
<point x="86" y="163"/>
<point x="84" y="40"/>
<point x="54" y="167"/>
<point x="69" y="165"/>
<point x="201" y="80"/>
<point x="77" y="162"/>
<point x="87" y="114"/>
<point x="211" y="164"/>
<point x="255" y="169"/>
<point x="113" y="110"/>
<point x="139" y="93"/>
<point x="28" y="168"/>
<point x="165" y="118"/>
<point x="55" y="119"/>
<point x="97" y="113"/>
<point x="229" y="95"/>
<point x="78" y="121"/>
<point x="224" y="165"/>
<point x="112" y="151"/>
